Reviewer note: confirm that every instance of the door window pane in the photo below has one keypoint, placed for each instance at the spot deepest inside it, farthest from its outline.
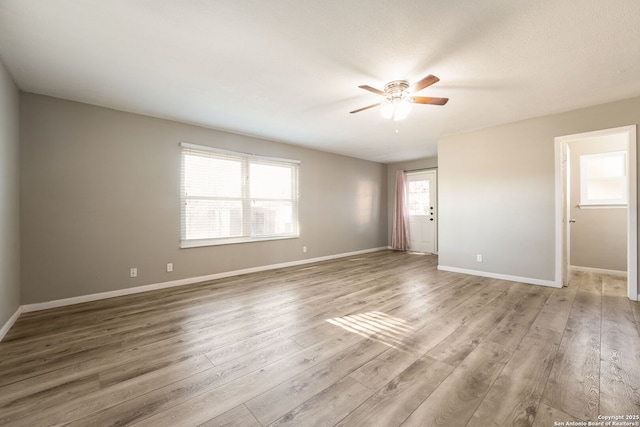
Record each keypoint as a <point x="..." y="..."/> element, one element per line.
<point x="418" y="197"/>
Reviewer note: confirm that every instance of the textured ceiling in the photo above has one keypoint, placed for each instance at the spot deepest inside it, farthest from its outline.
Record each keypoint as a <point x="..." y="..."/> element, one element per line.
<point x="289" y="70"/>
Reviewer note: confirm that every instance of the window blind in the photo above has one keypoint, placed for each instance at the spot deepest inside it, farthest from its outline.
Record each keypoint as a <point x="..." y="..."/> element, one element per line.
<point x="229" y="197"/>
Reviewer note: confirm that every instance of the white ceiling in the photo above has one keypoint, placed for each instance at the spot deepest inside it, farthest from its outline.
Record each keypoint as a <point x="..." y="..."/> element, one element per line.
<point x="289" y="70"/>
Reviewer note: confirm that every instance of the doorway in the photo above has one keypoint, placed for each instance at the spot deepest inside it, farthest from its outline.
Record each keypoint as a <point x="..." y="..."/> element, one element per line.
<point x="422" y="211"/>
<point x="565" y="207"/>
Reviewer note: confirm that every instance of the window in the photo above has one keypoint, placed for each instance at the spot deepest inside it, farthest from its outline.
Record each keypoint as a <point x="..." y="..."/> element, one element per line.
<point x="603" y="179"/>
<point x="418" y="192"/>
<point x="229" y="197"/>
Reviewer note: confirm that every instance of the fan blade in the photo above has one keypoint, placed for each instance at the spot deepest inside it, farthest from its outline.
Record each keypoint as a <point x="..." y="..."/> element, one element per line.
<point x="372" y="89"/>
<point x="364" y="108"/>
<point x="426" y="82"/>
<point x="427" y="100"/>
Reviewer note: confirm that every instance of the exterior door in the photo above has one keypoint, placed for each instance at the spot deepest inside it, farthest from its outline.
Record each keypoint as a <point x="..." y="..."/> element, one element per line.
<point x="422" y="210"/>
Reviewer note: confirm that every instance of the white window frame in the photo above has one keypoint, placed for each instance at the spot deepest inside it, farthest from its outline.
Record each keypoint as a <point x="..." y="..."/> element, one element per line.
<point x="585" y="180"/>
<point x="246" y="200"/>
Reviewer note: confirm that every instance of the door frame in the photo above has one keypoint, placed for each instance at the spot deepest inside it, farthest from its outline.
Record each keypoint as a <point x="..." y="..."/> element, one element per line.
<point x="435" y="226"/>
<point x="561" y="226"/>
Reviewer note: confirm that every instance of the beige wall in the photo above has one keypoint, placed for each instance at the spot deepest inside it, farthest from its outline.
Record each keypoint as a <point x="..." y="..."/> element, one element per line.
<point x="9" y="198"/>
<point x="100" y="194"/>
<point x="497" y="190"/>
<point x="599" y="236"/>
<point x="419" y="164"/>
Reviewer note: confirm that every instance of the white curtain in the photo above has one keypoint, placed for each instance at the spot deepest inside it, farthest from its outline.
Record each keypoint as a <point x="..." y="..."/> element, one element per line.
<point x="400" y="236"/>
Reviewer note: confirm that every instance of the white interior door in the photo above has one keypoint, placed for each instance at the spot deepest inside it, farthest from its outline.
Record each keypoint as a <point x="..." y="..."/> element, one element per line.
<point x="423" y="211"/>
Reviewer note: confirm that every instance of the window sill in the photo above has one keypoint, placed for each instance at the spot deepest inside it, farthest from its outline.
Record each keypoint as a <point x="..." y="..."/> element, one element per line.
<point x="604" y="206"/>
<point x="219" y="242"/>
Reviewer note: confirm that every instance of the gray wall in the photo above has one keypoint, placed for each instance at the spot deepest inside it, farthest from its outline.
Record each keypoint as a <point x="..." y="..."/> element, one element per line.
<point x="100" y="194"/>
<point x="9" y="197"/>
<point x="599" y="235"/>
<point x="497" y="190"/>
<point x="426" y="163"/>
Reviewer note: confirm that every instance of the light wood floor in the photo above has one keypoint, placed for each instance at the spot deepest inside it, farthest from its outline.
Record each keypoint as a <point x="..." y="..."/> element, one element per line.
<point x="382" y="339"/>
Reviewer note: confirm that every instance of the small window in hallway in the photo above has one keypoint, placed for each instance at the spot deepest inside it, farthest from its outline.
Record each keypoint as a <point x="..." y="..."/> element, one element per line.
<point x="603" y="179"/>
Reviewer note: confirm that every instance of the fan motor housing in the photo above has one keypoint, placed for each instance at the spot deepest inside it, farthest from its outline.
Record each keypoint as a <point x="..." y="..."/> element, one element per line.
<point x="396" y="88"/>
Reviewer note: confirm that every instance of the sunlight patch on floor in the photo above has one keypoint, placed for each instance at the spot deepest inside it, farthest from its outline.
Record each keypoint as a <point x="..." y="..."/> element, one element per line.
<point x="377" y="326"/>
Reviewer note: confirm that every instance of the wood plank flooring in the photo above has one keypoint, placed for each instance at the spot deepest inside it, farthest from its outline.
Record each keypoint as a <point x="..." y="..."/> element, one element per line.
<point x="382" y="339"/>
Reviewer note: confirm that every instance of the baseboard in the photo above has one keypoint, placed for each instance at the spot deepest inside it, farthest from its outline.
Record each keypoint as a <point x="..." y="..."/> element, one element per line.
<point x="527" y="280"/>
<point x="598" y="270"/>
<point x="182" y="282"/>
<point x="5" y="329"/>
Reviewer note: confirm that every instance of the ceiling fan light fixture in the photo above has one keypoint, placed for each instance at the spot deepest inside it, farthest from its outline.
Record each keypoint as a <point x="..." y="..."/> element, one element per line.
<point x="396" y="109"/>
<point x="396" y="105"/>
<point x="386" y="109"/>
<point x="402" y="110"/>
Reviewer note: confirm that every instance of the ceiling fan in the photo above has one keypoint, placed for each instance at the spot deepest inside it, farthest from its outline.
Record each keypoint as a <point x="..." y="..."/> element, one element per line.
<point x="399" y="97"/>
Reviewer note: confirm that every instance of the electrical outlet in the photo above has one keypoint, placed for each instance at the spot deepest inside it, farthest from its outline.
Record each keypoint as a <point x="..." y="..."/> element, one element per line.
<point x="479" y="258"/>
<point x="304" y="249"/>
<point x="169" y="267"/>
<point x="133" y="272"/>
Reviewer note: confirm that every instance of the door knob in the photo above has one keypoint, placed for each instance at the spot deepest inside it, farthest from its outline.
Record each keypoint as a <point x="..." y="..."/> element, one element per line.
<point x="571" y="221"/>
